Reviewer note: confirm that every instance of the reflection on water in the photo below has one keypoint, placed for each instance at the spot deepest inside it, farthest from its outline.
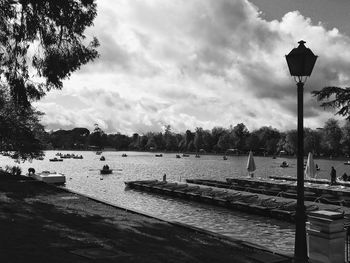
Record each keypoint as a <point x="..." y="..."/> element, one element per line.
<point x="83" y="176"/>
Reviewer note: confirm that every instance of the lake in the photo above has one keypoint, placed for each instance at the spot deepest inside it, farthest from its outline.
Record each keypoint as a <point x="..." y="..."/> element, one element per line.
<point x="83" y="176"/>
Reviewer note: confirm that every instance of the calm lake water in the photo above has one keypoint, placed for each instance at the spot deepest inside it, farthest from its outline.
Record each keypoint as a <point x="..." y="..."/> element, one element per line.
<point x="83" y="176"/>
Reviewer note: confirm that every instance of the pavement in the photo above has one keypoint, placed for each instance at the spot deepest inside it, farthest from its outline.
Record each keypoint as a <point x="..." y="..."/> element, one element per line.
<point x="44" y="223"/>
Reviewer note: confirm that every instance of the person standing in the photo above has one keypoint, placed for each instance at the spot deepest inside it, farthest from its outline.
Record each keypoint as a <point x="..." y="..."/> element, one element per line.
<point x="333" y="176"/>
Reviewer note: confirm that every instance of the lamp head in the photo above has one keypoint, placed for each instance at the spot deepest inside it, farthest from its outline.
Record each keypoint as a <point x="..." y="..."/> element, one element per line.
<point x="301" y="61"/>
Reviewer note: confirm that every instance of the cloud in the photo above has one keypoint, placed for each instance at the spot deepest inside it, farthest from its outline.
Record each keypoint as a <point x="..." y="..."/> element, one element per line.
<point x="197" y="63"/>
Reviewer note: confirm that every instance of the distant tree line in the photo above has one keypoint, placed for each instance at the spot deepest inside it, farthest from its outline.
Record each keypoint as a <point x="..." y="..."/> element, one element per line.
<point x="330" y="140"/>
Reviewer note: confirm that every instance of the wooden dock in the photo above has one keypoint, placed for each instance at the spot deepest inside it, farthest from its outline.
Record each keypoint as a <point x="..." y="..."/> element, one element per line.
<point x="261" y="204"/>
<point x="324" y="193"/>
<point x="310" y="180"/>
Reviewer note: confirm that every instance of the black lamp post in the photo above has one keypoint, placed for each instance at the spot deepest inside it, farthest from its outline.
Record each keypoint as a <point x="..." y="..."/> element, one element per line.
<point x="300" y="62"/>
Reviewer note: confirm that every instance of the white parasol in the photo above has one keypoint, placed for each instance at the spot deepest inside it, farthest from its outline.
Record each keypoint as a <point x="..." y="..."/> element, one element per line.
<point x="251" y="164"/>
<point x="310" y="169"/>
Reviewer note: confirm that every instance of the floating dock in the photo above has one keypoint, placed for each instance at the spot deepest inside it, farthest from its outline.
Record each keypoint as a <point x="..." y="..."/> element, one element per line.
<point x="324" y="193"/>
<point x="275" y="207"/>
<point x="310" y="180"/>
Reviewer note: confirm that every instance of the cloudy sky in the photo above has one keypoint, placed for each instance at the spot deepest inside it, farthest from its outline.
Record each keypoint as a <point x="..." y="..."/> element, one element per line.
<point x="202" y="63"/>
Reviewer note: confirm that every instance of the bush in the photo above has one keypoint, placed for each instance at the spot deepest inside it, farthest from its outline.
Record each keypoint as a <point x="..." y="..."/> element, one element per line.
<point x="14" y="170"/>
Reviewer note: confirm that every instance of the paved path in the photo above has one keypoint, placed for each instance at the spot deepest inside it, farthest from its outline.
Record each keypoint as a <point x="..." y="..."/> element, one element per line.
<point x="41" y="223"/>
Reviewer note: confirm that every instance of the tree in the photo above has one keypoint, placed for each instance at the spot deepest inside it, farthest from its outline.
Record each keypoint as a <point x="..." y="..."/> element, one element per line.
<point x="312" y="141"/>
<point x="134" y="144"/>
<point x="346" y="138"/>
<point x="291" y="143"/>
<point x="198" y="139"/>
<point x="224" y="142"/>
<point x="42" y="42"/>
<point x="216" y="132"/>
<point x="269" y="139"/>
<point x="253" y="142"/>
<point x="239" y="135"/>
<point x="120" y="141"/>
<point x="189" y="136"/>
<point x="170" y="139"/>
<point x="208" y="141"/>
<point x="332" y="135"/>
<point x="335" y="97"/>
<point x="97" y="137"/>
<point x="20" y="129"/>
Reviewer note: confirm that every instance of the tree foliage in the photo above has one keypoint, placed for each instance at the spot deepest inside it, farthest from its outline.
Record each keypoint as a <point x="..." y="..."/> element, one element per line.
<point x="335" y="97"/>
<point x="331" y="140"/>
<point x="42" y="42"/>
<point x="20" y="129"/>
<point x="332" y="134"/>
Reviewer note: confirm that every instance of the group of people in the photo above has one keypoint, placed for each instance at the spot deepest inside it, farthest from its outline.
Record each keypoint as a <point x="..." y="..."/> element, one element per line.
<point x="344" y="177"/>
<point x="105" y="167"/>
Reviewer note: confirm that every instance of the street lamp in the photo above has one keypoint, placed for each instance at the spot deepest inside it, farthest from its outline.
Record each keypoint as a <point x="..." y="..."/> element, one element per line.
<point x="300" y="62"/>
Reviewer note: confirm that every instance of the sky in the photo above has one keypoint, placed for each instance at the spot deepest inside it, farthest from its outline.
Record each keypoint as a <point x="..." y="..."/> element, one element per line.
<point x="202" y="63"/>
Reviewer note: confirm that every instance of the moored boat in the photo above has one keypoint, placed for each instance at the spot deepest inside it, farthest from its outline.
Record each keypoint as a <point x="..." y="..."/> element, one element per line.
<point x="49" y="177"/>
<point x="55" y="160"/>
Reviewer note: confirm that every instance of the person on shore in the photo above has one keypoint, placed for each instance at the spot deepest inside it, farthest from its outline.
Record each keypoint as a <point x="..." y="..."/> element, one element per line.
<point x="344" y="177"/>
<point x="333" y="176"/>
<point x="164" y="178"/>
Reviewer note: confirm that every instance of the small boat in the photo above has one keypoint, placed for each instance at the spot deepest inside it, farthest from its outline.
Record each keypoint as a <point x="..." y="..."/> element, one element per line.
<point x="106" y="170"/>
<point x="284" y="164"/>
<point x="41" y="158"/>
<point x="198" y="156"/>
<point x="159" y="155"/>
<point x="66" y="156"/>
<point x="102" y="158"/>
<point x="78" y="157"/>
<point x="49" y="177"/>
<point x="55" y="160"/>
<point x="224" y="157"/>
<point x="178" y="156"/>
<point x="347" y="163"/>
<point x="273" y="157"/>
<point x="124" y="155"/>
<point x="98" y="152"/>
<point x="185" y="155"/>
